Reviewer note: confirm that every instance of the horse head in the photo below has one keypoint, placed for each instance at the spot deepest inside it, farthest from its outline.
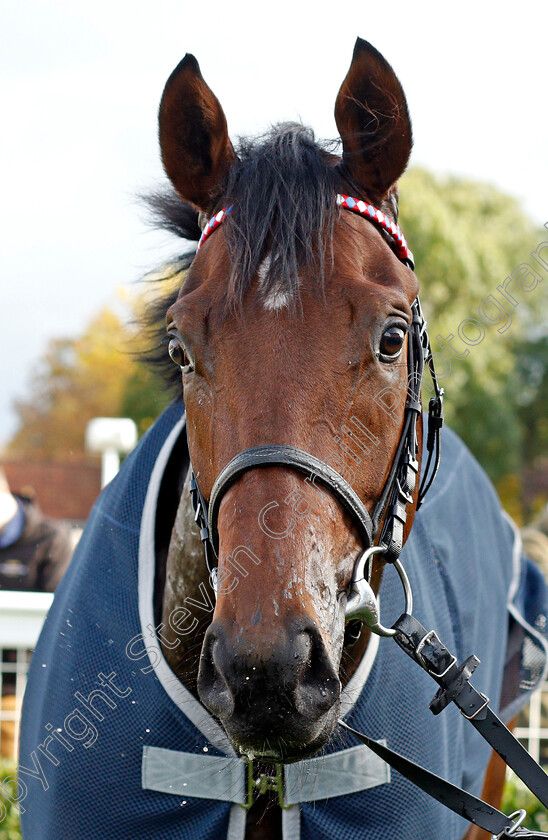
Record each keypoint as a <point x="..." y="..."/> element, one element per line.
<point x="292" y="328"/>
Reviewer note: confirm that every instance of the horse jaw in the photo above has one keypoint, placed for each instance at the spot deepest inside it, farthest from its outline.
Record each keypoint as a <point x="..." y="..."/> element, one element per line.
<point x="186" y="577"/>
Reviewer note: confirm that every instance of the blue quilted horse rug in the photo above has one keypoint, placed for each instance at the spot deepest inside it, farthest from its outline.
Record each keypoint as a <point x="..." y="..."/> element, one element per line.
<point x="114" y="746"/>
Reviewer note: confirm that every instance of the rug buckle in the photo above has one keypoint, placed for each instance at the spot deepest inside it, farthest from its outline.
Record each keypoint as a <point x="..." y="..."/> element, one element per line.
<point x="259" y="783"/>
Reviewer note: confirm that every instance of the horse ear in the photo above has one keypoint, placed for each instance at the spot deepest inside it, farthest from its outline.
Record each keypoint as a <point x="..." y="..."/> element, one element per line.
<point x="196" y="150"/>
<point x="373" y="122"/>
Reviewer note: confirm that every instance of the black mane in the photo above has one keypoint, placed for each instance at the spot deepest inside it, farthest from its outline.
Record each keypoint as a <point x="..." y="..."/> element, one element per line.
<point x="152" y="320"/>
<point x="282" y="189"/>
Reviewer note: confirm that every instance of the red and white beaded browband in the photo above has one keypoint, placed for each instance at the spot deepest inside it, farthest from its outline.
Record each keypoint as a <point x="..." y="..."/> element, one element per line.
<point x="348" y="203"/>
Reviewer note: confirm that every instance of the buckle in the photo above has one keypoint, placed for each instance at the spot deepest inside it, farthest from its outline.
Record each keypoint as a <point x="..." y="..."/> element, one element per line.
<point x="262" y="783"/>
<point x="435" y="412"/>
<point x="427" y="639"/>
<point x="472" y="716"/>
<point x="510" y="831"/>
<point x="404" y="499"/>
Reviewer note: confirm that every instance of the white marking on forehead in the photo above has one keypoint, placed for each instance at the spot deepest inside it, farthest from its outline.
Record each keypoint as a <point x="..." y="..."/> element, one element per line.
<point x="262" y="271"/>
<point x="275" y="299"/>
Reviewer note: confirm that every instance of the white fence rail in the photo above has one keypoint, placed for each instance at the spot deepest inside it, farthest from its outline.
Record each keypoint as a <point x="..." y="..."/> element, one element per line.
<point x="21" y="617"/>
<point x="23" y="613"/>
<point x="534" y="731"/>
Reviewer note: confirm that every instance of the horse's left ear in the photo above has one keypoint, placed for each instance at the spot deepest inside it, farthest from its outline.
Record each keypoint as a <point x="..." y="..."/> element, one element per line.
<point x="373" y="122"/>
<point x="196" y="150"/>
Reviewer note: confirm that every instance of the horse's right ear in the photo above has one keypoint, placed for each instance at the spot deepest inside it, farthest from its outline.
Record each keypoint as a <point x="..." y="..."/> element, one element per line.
<point x="196" y="150"/>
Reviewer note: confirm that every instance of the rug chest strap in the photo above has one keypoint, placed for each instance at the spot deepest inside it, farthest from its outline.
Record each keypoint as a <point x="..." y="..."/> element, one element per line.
<point x="430" y="653"/>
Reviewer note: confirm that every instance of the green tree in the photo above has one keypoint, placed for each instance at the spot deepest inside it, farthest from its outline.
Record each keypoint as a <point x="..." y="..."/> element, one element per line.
<point x="98" y="374"/>
<point x="10" y="828"/>
<point x="467" y="237"/>
<point x="531" y="396"/>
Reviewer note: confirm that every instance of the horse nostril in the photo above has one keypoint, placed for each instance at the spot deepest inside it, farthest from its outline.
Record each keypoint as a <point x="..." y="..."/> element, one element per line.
<point x="319" y="687"/>
<point x="212" y="688"/>
<point x="289" y="686"/>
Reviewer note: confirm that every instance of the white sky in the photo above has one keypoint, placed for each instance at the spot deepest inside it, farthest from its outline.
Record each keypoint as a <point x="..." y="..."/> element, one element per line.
<point x="81" y="84"/>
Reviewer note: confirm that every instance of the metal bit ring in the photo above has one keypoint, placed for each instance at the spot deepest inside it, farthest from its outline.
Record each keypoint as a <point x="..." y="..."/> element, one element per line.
<point x="362" y="602"/>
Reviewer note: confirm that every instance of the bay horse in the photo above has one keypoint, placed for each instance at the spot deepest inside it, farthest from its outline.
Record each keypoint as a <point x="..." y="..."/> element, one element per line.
<point x="299" y="340"/>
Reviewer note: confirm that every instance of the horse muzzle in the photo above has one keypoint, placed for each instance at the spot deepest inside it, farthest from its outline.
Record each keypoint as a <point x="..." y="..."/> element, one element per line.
<point x="277" y="698"/>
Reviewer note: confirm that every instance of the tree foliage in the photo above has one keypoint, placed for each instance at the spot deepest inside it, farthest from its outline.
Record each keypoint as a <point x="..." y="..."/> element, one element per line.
<point x="96" y="375"/>
<point x="467" y="238"/>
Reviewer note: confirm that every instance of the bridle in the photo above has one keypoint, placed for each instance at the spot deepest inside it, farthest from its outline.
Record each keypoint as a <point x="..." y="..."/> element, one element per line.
<point x="392" y="507"/>
<point x="382" y="532"/>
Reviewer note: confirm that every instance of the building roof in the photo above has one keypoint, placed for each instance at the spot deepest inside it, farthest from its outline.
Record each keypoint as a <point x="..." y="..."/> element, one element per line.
<point x="64" y="490"/>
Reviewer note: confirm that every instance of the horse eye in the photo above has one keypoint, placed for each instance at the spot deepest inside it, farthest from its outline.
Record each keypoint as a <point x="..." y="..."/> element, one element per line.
<point x="177" y="353"/>
<point x="392" y="342"/>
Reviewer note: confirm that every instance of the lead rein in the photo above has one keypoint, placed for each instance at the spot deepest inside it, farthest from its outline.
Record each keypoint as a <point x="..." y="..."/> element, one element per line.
<point x="459" y="801"/>
<point x="430" y="653"/>
<point x="426" y="649"/>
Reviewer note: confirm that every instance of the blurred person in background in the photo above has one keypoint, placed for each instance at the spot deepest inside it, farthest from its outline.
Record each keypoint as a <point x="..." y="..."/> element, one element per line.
<point x="535" y="546"/>
<point x="35" y="551"/>
<point x="535" y="540"/>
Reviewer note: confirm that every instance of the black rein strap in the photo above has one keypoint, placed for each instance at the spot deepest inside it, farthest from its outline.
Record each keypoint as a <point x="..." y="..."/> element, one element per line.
<point x="453" y="797"/>
<point x="426" y="649"/>
<point x="430" y="653"/>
